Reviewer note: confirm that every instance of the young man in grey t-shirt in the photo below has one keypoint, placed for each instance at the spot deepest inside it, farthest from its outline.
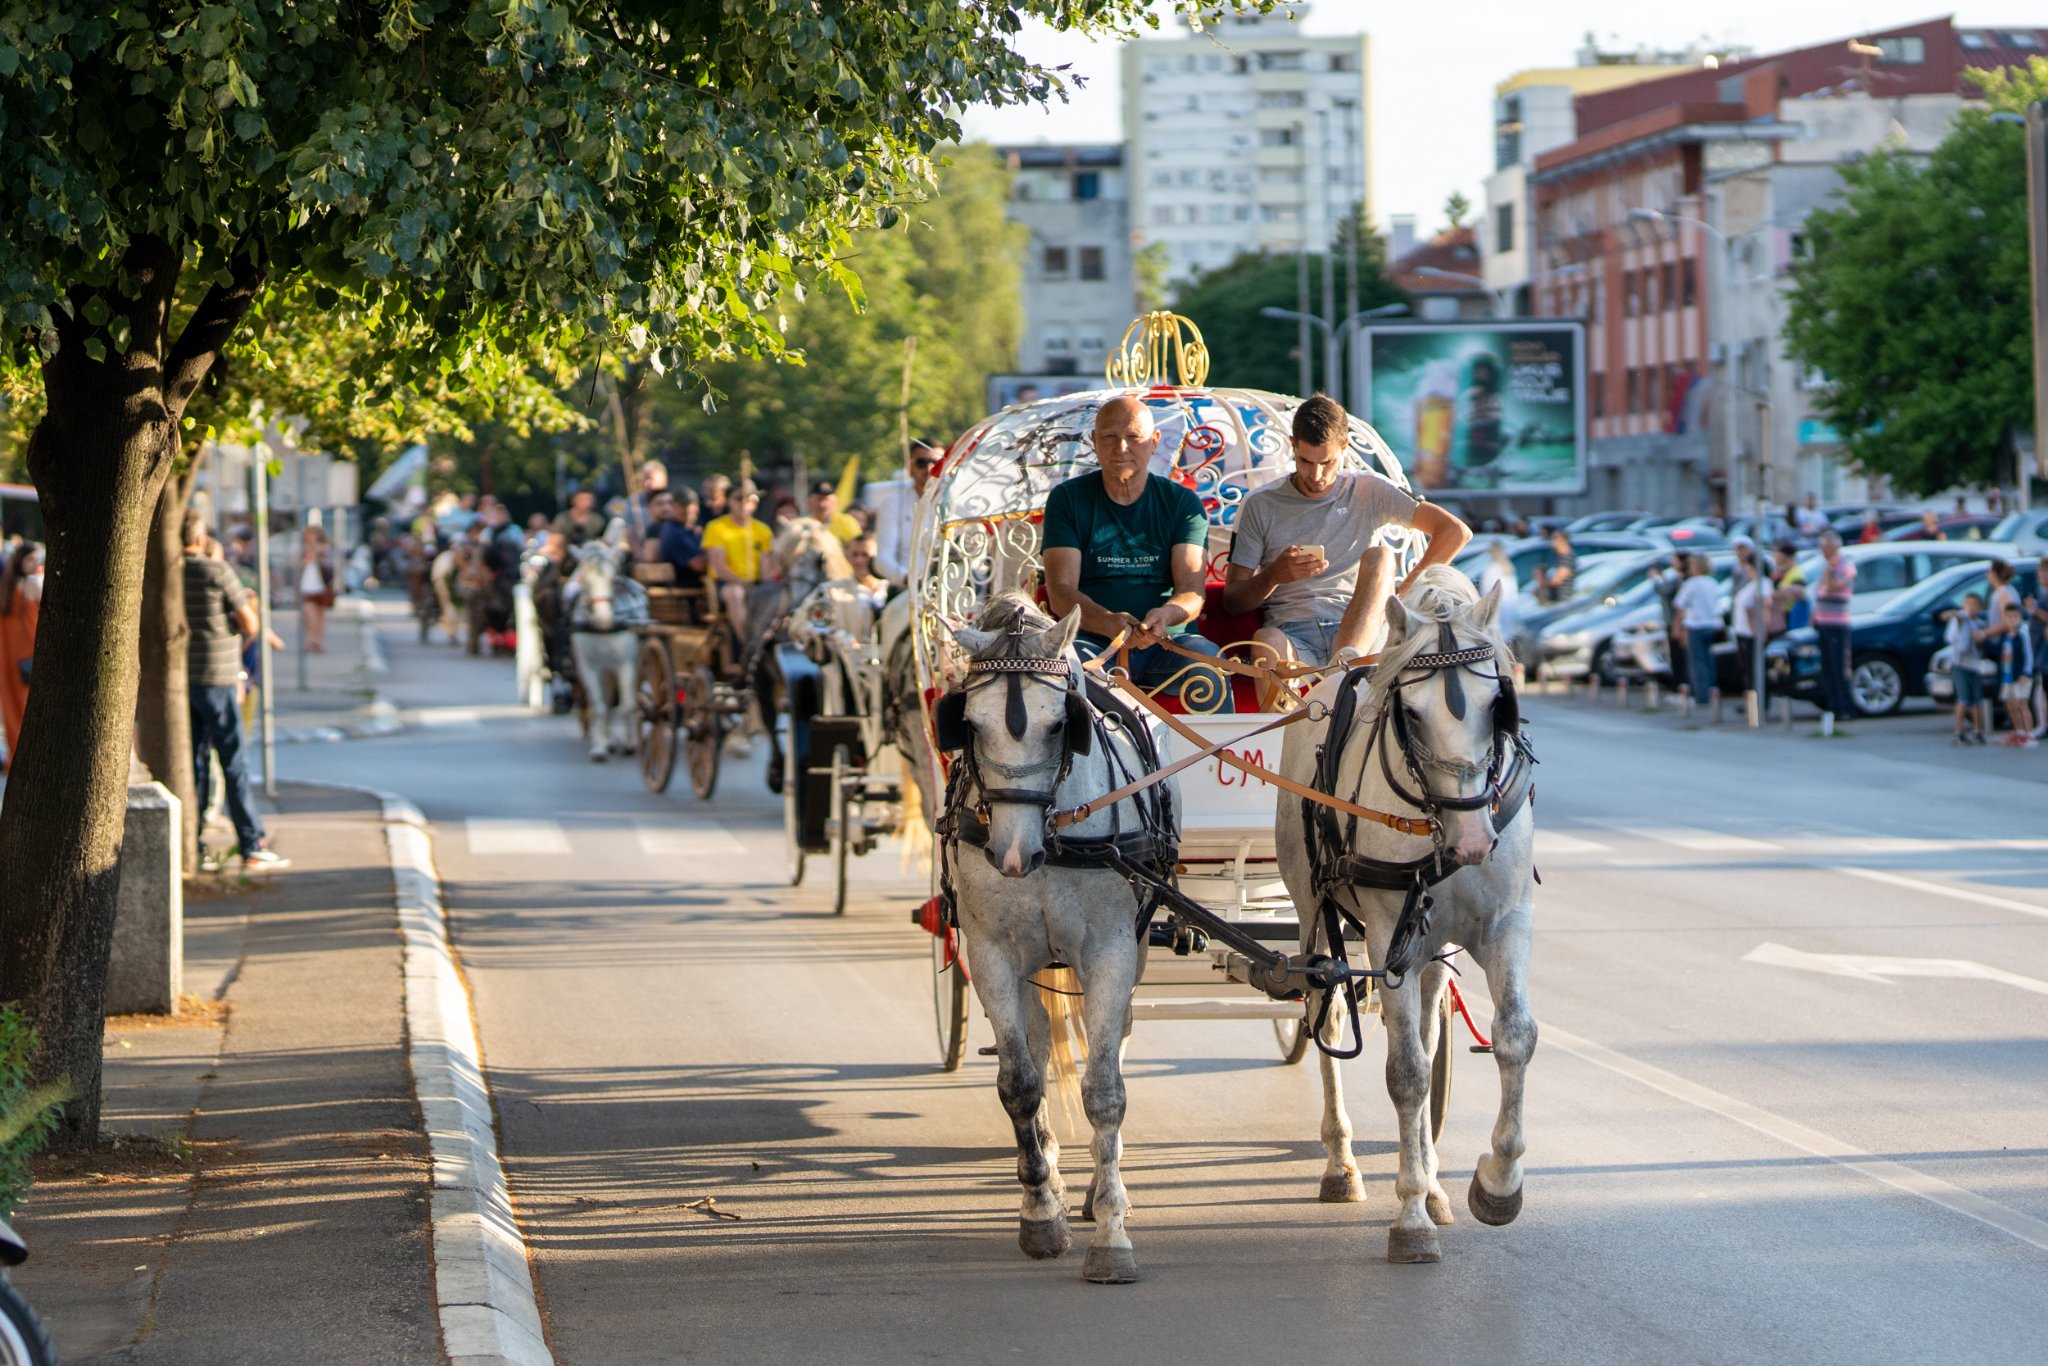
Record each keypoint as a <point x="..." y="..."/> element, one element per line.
<point x="1302" y="548"/>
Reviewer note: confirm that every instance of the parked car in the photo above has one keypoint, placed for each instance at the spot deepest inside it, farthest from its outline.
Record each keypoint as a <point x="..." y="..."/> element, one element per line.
<point x="2026" y="532"/>
<point x="1849" y="525"/>
<point x="1603" y="521"/>
<point x="1533" y="552"/>
<point x="1600" y="579"/>
<point x="1885" y="569"/>
<point x="1599" y="638"/>
<point x="1892" y="648"/>
<point x="1975" y="527"/>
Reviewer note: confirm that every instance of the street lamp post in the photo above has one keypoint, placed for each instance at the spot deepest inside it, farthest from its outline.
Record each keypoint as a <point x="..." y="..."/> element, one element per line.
<point x="1338" y="340"/>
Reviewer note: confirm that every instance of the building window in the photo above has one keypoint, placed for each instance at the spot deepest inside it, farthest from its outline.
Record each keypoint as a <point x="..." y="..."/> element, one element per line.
<point x="1688" y="283"/>
<point x="1973" y="40"/>
<point x="1902" y="51"/>
<point x="1240" y="65"/>
<point x="1653" y="389"/>
<point x="2028" y="41"/>
<point x="1600" y="395"/>
<point x="1279" y="61"/>
<point x="1091" y="263"/>
<point x="1282" y="99"/>
<point x="1507" y="149"/>
<point x="1162" y="215"/>
<point x="1056" y="343"/>
<point x="1670" y="294"/>
<point x="1054" y="264"/>
<point x="1628" y="310"/>
<point x="1504" y="228"/>
<point x="1091" y="343"/>
<point x="1276" y="137"/>
<point x="1343" y="61"/>
<point x="1649" y="300"/>
<point x="1087" y="185"/>
<point x="1635" y="396"/>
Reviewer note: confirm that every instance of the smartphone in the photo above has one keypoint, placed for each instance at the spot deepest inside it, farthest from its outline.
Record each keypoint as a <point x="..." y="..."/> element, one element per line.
<point x="1314" y="550"/>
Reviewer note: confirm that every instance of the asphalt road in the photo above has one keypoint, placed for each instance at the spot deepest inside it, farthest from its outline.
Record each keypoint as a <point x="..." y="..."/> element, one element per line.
<point x="1758" y="1129"/>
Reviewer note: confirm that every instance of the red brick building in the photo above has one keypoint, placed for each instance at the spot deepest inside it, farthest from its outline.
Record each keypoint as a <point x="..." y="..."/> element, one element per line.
<point x="1648" y="284"/>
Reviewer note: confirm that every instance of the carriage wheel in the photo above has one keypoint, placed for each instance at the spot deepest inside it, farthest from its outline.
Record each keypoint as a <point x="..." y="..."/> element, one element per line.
<point x="703" y="731"/>
<point x="842" y="840"/>
<point x="792" y="818"/>
<point x="1440" y="1070"/>
<point x="949" y="1000"/>
<point x="655" y="696"/>
<point x="1293" y="1036"/>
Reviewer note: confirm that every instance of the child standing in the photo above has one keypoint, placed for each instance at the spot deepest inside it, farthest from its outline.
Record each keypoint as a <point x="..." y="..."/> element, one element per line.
<point x="1964" y="628"/>
<point x="2016" y="678"/>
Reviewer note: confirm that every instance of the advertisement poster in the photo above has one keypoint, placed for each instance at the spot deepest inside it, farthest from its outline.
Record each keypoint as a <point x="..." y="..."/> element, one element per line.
<point x="1481" y="407"/>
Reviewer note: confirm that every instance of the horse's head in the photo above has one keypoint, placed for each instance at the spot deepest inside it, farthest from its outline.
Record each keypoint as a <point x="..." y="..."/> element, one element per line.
<point x="1446" y="681"/>
<point x="596" y="582"/>
<point x="1021" y="718"/>
<point x="805" y="554"/>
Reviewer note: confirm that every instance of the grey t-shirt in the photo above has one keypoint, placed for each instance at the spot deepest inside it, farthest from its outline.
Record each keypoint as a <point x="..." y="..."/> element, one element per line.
<point x="1342" y="521"/>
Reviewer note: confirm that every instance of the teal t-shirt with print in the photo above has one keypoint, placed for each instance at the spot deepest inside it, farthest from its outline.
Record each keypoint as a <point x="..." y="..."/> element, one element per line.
<point x="1126" y="552"/>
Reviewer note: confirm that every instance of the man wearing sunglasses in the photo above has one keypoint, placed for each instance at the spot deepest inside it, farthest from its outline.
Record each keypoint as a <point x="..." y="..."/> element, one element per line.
<point x="896" y="515"/>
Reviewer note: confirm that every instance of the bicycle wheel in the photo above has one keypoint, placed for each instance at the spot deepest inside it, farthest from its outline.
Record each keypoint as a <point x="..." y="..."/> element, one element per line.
<point x="23" y="1339"/>
<point x="842" y="838"/>
<point x="949" y="1000"/>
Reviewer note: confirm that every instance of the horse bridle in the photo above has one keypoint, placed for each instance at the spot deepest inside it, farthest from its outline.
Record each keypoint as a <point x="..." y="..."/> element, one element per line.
<point x="1449" y="661"/>
<point x="952" y="732"/>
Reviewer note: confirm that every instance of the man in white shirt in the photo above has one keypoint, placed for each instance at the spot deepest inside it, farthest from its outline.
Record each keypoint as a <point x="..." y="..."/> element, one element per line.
<point x="1303" y="546"/>
<point x="896" y="512"/>
<point x="1811" y="520"/>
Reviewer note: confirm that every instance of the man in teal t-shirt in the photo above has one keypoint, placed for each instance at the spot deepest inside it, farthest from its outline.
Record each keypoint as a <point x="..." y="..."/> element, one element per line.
<point x="1131" y="552"/>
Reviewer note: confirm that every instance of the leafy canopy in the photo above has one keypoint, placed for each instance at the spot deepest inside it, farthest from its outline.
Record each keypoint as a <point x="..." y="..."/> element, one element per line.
<point x="476" y="177"/>
<point x="1915" y="300"/>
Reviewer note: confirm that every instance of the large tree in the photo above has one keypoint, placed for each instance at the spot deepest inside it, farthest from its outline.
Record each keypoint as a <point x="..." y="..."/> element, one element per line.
<point x="464" y="179"/>
<point x="1913" y="301"/>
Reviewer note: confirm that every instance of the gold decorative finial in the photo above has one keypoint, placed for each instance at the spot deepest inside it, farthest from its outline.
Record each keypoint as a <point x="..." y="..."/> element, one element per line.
<point x="1142" y="355"/>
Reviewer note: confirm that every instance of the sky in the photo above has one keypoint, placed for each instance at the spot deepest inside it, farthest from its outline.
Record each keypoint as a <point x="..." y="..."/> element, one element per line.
<point x="1432" y="71"/>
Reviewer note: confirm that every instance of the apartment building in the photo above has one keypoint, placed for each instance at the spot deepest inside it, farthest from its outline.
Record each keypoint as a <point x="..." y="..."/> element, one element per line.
<point x="1080" y="291"/>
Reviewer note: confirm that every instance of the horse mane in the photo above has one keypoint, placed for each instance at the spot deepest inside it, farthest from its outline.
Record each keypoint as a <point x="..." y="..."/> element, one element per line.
<point x="805" y="535"/>
<point x="1440" y="594"/>
<point x="1006" y="614"/>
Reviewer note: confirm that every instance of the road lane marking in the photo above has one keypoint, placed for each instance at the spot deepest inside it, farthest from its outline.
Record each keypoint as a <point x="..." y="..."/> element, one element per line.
<point x="1687" y="837"/>
<point x="1876" y="968"/>
<point x="2005" y="903"/>
<point x="1793" y="1134"/>
<point x="686" y="838"/>
<point x="1554" y="844"/>
<point x="492" y="836"/>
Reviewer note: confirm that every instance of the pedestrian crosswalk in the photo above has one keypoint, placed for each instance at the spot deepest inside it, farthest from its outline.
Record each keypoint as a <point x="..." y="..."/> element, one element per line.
<point x="669" y="839"/>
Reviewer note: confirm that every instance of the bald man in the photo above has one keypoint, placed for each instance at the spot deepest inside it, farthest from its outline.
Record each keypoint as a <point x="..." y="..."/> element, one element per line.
<point x="1131" y="552"/>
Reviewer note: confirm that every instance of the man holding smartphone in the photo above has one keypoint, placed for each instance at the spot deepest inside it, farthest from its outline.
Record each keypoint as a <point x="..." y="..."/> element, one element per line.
<point x="1303" y="548"/>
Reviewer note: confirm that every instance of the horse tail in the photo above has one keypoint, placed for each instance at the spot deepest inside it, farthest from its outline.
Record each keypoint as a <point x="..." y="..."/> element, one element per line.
<point x="913" y="821"/>
<point x="1060" y="990"/>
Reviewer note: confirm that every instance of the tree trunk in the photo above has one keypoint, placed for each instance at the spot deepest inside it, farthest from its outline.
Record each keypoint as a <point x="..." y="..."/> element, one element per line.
<point x="163" y="715"/>
<point x="98" y="458"/>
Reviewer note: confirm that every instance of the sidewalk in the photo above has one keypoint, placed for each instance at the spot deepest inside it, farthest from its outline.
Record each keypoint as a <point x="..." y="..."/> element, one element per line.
<point x="277" y="1207"/>
<point x="341" y="698"/>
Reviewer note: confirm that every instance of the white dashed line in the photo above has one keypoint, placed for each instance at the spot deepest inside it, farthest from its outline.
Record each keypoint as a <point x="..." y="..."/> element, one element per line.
<point x="684" y="839"/>
<point x="515" y="837"/>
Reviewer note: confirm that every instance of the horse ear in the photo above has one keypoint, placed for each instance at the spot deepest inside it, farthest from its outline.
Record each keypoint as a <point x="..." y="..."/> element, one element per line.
<point x="1489" y="606"/>
<point x="974" y="640"/>
<point x="1398" y="623"/>
<point x="1055" y="640"/>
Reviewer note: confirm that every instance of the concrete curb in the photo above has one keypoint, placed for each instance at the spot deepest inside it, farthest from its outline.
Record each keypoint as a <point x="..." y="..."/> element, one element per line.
<point x="483" y="1285"/>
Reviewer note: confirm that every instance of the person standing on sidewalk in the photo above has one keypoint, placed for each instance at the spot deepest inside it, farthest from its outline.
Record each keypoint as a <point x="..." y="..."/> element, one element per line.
<point x="2016" y="659"/>
<point x="1831" y="598"/>
<point x="316" y="588"/>
<point x="1698" y="606"/>
<point x="221" y="614"/>
<point x="1965" y="626"/>
<point x="21" y="605"/>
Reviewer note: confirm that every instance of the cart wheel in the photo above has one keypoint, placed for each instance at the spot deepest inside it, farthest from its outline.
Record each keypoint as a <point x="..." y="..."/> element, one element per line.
<point x="842" y="841"/>
<point x="1440" y="1070"/>
<point x="703" y="731"/>
<point x="792" y="819"/>
<point x="655" y="697"/>
<point x="949" y="999"/>
<point x="1293" y="1036"/>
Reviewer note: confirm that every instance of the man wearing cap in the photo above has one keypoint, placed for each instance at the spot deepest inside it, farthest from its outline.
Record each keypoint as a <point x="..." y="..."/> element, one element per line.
<point x="896" y="516"/>
<point x="824" y="504"/>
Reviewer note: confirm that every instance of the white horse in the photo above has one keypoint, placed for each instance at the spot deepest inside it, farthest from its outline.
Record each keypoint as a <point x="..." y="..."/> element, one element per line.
<point x="604" y="605"/>
<point x="1437" y="737"/>
<point x="1029" y="741"/>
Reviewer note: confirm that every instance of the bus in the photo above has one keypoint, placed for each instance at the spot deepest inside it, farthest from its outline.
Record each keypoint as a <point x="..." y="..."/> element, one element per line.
<point x="20" y="514"/>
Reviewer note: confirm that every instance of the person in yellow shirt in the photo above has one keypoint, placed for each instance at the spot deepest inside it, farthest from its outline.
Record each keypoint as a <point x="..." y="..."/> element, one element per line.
<point x="734" y="547"/>
<point x="825" y="508"/>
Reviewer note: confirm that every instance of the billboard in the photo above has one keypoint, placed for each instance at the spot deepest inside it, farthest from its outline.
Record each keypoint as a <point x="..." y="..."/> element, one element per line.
<point x="1481" y="407"/>
<point x="1004" y="390"/>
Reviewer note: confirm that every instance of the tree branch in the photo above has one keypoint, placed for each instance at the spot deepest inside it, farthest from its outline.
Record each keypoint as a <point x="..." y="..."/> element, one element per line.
<point x="207" y="331"/>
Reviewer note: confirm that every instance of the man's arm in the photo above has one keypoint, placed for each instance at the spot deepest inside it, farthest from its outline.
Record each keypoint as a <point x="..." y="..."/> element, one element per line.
<point x="1443" y="534"/>
<point x="1190" y="592"/>
<point x="1247" y="589"/>
<point x="1063" y="594"/>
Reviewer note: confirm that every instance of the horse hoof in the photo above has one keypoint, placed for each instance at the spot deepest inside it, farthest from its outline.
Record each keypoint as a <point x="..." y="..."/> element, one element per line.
<point x="1110" y="1266"/>
<point x="1492" y="1209"/>
<point x="1341" y="1188"/>
<point x="1410" y="1245"/>
<point x="1439" y="1207"/>
<point x="1044" y="1238"/>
